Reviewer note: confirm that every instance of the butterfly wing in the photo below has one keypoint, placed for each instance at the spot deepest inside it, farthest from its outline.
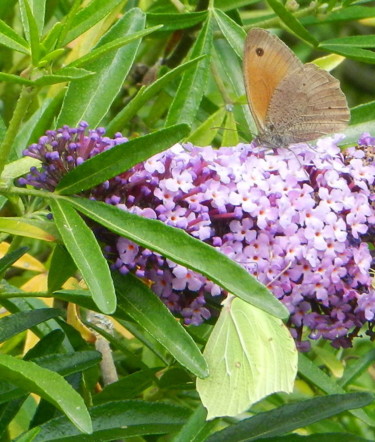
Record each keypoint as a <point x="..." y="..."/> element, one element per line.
<point x="307" y="104"/>
<point x="267" y="61"/>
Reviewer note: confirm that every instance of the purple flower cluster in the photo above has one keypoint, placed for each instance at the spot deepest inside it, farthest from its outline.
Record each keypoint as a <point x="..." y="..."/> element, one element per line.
<point x="300" y="220"/>
<point x="62" y="150"/>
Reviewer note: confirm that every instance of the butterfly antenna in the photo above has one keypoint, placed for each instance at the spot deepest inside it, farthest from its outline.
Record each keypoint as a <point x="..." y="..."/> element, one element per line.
<point x="278" y="275"/>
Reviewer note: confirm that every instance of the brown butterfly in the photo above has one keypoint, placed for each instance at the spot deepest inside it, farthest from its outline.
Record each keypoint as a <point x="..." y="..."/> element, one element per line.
<point x="291" y="102"/>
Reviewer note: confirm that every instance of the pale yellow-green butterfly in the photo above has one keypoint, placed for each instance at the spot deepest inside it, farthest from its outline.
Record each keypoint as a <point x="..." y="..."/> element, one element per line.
<point x="291" y="102"/>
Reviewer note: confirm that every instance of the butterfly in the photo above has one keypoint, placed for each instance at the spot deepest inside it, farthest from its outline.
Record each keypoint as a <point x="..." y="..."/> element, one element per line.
<point x="291" y="102"/>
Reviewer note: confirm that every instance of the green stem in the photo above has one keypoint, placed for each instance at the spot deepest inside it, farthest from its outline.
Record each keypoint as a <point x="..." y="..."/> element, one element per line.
<point x="24" y="100"/>
<point x="12" y="190"/>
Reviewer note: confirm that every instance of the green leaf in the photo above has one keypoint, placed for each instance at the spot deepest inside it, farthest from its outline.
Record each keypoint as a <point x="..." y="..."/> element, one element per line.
<point x="357" y="41"/>
<point x="18" y="168"/>
<point x="351" y="52"/>
<point x="10" y="258"/>
<point x="228" y="5"/>
<point x="87" y="17"/>
<point x="357" y="368"/>
<point x="49" y="385"/>
<point x="319" y="437"/>
<point x="18" y="322"/>
<point x="146" y="93"/>
<point x="10" y="78"/>
<point x="145" y="338"/>
<point x="30" y="436"/>
<point x="150" y="313"/>
<point x="27" y="227"/>
<point x="85" y="251"/>
<point x="48" y="344"/>
<point x="69" y="363"/>
<point x="193" y="83"/>
<point x="362" y="113"/>
<point x="250" y="355"/>
<point x="62" y="75"/>
<point x="230" y="133"/>
<point x="128" y="387"/>
<point x="62" y="267"/>
<point x="119" y="159"/>
<point x="291" y="417"/>
<point x="314" y="374"/>
<point x="63" y="363"/>
<point x="38" y="8"/>
<point x="41" y="120"/>
<point x="50" y="40"/>
<point x="230" y="70"/>
<point x="351" y="14"/>
<point x="115" y="44"/>
<point x="234" y="34"/>
<point x="31" y="30"/>
<point x="196" y="428"/>
<point x="291" y="22"/>
<point x="26" y="304"/>
<point x="330" y="360"/>
<point x="118" y="419"/>
<point x="207" y="131"/>
<point x="89" y="99"/>
<point x="10" y="39"/>
<point x="172" y="22"/>
<point x="329" y="62"/>
<point x="183" y="249"/>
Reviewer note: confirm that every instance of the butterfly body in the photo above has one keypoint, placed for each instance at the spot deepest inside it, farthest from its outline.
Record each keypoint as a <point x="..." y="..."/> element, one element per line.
<point x="290" y="102"/>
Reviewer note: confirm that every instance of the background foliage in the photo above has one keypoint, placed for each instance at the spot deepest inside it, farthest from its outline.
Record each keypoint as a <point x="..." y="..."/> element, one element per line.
<point x="166" y="71"/>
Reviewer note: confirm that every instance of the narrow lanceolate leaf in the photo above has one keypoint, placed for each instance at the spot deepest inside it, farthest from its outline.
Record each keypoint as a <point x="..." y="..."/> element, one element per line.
<point x="231" y="69"/>
<point x="119" y="159"/>
<point x="11" y="258"/>
<point x="359" y="54"/>
<point x="18" y="168"/>
<point x="230" y="132"/>
<point x="118" y="419"/>
<point x="87" y="17"/>
<point x="207" y="131"/>
<point x="250" y="355"/>
<point x="363" y="113"/>
<point x="193" y="83"/>
<point x="290" y="417"/>
<point x="10" y="39"/>
<point x="49" y="385"/>
<point x="172" y="22"/>
<point x="329" y="62"/>
<point x="114" y="44"/>
<point x="86" y="253"/>
<point x="38" y="8"/>
<point x="10" y="78"/>
<point x="61" y="268"/>
<point x="18" y="322"/>
<point x="146" y="93"/>
<point x="357" y="41"/>
<point x="357" y="368"/>
<point x="31" y="30"/>
<point x="290" y="20"/>
<point x="149" y="311"/>
<point x="234" y="33"/>
<point x="318" y="377"/>
<point x="89" y="99"/>
<point x="183" y="249"/>
<point x="27" y="228"/>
